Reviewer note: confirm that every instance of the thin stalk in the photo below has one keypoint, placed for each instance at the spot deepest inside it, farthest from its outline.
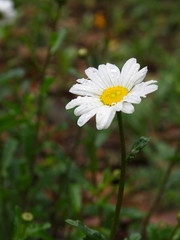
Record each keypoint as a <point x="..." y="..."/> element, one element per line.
<point x="177" y="227"/>
<point x="159" y="195"/>
<point x="122" y="178"/>
<point x="40" y="98"/>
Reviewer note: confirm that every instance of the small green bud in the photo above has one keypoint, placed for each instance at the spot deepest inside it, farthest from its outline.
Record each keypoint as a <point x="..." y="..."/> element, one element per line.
<point x="82" y="52"/>
<point x="116" y="173"/>
<point x="27" y="216"/>
<point x="178" y="217"/>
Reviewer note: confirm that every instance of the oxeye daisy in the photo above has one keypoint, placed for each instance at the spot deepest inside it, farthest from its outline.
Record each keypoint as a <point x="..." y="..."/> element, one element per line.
<point x="107" y="91"/>
<point x="7" y="11"/>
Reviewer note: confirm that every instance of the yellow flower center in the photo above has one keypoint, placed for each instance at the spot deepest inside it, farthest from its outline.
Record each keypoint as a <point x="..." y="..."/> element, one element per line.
<point x="113" y="95"/>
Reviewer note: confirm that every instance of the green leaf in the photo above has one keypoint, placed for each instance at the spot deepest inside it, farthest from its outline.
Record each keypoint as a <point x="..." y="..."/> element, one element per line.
<point x="134" y="236"/>
<point x="33" y="228"/>
<point x="75" y="193"/>
<point x="10" y="147"/>
<point x="101" y="137"/>
<point x="74" y="72"/>
<point x="18" y="226"/>
<point x="9" y="121"/>
<point x="56" y="40"/>
<point x="23" y="230"/>
<point x="159" y="233"/>
<point x="46" y="85"/>
<point x="138" y="146"/>
<point x="90" y="234"/>
<point x="175" y="158"/>
<point x="14" y="73"/>
<point x="28" y="134"/>
<point x="132" y="213"/>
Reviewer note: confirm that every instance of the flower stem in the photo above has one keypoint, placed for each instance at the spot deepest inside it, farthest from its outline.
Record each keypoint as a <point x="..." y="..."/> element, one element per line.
<point x="159" y="194"/>
<point x="40" y="100"/>
<point x="177" y="227"/>
<point x="122" y="178"/>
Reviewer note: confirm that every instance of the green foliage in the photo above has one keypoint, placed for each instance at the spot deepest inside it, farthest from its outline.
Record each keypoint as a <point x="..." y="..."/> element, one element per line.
<point x="132" y="213"/>
<point x="9" y="149"/>
<point x="159" y="233"/>
<point x="11" y="74"/>
<point x="57" y="39"/>
<point x="138" y="146"/>
<point x="134" y="236"/>
<point x="48" y="81"/>
<point x="90" y="234"/>
<point x="25" y="229"/>
<point x="75" y="196"/>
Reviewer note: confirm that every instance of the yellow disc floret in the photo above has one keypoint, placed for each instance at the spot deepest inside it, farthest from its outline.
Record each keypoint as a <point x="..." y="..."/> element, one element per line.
<point x="113" y="95"/>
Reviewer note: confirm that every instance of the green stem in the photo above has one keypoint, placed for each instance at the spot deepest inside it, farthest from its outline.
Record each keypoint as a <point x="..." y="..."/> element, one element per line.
<point x="177" y="227"/>
<point x="159" y="195"/>
<point x="40" y="99"/>
<point x="122" y="178"/>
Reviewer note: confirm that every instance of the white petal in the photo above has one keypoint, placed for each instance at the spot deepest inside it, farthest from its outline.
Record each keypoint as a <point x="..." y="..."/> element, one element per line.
<point x="87" y="107"/>
<point x="93" y="74"/>
<point x="103" y="73"/>
<point x="86" y="89"/>
<point x="150" y="89"/>
<point x="137" y="78"/>
<point x="114" y="73"/>
<point x="132" y="71"/>
<point x="81" y="100"/>
<point x="118" y="106"/>
<point x="86" y="116"/>
<point x="82" y="80"/>
<point x="127" y="108"/>
<point x="132" y="98"/>
<point x="104" y="117"/>
<point x="129" y="69"/>
<point x="144" y="88"/>
<point x="73" y="103"/>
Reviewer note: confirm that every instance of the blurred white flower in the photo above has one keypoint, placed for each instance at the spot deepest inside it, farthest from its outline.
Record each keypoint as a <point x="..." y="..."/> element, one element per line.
<point x="108" y="91"/>
<point x="7" y="11"/>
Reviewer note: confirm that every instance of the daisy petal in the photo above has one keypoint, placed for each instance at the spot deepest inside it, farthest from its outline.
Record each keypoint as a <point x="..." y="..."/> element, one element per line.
<point x="86" y="117"/>
<point x="104" y="117"/>
<point x="132" y="98"/>
<point x="81" y="100"/>
<point x="103" y="73"/>
<point x="130" y="68"/>
<point x="118" y="106"/>
<point x="150" y="89"/>
<point x="73" y="103"/>
<point x="114" y="73"/>
<point x="137" y="78"/>
<point x="87" y="107"/>
<point x="87" y="89"/>
<point x="144" y="88"/>
<point x="93" y="74"/>
<point x="127" y="108"/>
<point x="82" y="80"/>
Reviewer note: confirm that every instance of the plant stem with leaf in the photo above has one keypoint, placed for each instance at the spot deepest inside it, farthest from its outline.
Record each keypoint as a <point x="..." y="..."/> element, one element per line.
<point x="40" y="96"/>
<point x="159" y="194"/>
<point x="174" y="232"/>
<point x="121" y="180"/>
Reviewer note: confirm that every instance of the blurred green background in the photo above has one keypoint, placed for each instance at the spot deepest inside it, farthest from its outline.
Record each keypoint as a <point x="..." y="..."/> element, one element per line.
<point x="50" y="169"/>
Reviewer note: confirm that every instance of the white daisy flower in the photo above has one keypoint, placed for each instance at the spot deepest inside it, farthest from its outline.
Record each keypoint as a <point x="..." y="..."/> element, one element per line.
<point x="107" y="91"/>
<point x="7" y="11"/>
